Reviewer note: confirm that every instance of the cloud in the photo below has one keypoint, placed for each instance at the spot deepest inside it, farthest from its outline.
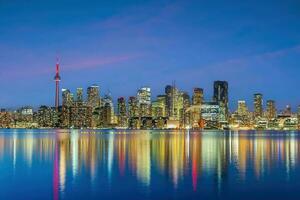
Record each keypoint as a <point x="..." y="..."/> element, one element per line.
<point x="33" y="69"/>
<point x="97" y="62"/>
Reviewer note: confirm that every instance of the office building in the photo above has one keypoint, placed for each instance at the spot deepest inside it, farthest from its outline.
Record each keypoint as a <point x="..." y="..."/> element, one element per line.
<point x="221" y="97"/>
<point x="93" y="96"/>
<point x="258" y="105"/>
<point x="271" y="110"/>
<point x="122" y="114"/>
<point x="197" y="98"/>
<point x="79" y="95"/>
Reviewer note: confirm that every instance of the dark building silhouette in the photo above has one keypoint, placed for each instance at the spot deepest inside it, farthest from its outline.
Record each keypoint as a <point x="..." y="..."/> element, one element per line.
<point x="221" y="96"/>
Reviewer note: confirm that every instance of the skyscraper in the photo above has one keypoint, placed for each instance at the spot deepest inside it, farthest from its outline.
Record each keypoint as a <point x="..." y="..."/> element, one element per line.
<point x="57" y="80"/>
<point x="287" y="111"/>
<point x="198" y="96"/>
<point x="47" y="117"/>
<point x="133" y="112"/>
<point x="106" y="116"/>
<point x="79" y="95"/>
<point x="185" y="116"/>
<point x="298" y="117"/>
<point x="221" y="97"/>
<point x="161" y="100"/>
<point x="174" y="102"/>
<point x="133" y="109"/>
<point x="144" y="101"/>
<point x="242" y="108"/>
<point x="169" y="90"/>
<point x="107" y="99"/>
<point x="144" y="95"/>
<point x="67" y="97"/>
<point x="258" y="105"/>
<point x="122" y="114"/>
<point x="93" y="98"/>
<point x="271" y="109"/>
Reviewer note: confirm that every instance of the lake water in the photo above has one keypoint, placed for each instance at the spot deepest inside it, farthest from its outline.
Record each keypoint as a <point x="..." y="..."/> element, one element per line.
<point x="77" y="164"/>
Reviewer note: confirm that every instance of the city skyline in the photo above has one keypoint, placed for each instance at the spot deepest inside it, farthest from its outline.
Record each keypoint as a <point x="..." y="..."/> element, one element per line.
<point x="253" y="45"/>
<point x="172" y="109"/>
<point x="232" y="106"/>
<point x="150" y="99"/>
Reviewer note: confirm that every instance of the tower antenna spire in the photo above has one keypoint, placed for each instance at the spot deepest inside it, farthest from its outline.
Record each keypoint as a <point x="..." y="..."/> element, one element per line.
<point x="57" y="80"/>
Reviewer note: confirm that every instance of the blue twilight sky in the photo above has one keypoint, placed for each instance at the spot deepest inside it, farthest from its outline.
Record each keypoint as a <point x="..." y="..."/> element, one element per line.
<point x="124" y="44"/>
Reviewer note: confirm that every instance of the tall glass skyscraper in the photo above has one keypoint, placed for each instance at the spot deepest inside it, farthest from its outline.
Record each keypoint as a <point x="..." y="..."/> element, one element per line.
<point x="258" y="105"/>
<point x="93" y="97"/>
<point x="221" y="97"/>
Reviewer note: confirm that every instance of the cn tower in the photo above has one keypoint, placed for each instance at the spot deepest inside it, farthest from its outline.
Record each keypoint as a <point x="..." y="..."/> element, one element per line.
<point x="57" y="79"/>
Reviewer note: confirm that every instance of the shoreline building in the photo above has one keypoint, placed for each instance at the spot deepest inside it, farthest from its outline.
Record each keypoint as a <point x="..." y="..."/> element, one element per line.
<point x="242" y="108"/>
<point x="298" y="117"/>
<point x="258" y="105"/>
<point x="195" y="109"/>
<point x="144" y="104"/>
<point x="122" y="113"/>
<point x="133" y="113"/>
<point x="93" y="96"/>
<point x="210" y="113"/>
<point x="220" y="96"/>
<point x="271" y="110"/>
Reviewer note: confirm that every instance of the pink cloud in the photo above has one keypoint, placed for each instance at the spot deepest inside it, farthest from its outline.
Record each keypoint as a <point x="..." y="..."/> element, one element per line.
<point x="97" y="62"/>
<point x="29" y="71"/>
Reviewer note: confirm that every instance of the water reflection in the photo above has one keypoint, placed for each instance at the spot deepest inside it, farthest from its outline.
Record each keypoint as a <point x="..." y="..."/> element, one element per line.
<point x="143" y="155"/>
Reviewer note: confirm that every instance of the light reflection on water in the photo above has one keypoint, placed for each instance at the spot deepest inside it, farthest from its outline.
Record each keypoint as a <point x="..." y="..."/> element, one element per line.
<point x="63" y="164"/>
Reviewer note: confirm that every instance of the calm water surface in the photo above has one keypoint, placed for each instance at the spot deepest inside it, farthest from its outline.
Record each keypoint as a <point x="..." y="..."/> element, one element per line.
<point x="63" y="164"/>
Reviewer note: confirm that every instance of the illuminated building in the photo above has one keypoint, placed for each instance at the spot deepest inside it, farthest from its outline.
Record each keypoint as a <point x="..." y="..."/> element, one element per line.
<point x="133" y="112"/>
<point x="193" y="112"/>
<point x="242" y="116"/>
<point x="158" y="112"/>
<point x="184" y="115"/>
<point x="106" y="117"/>
<point x="47" y="117"/>
<point x="287" y="111"/>
<point x="197" y="96"/>
<point x="290" y="123"/>
<point x="80" y="116"/>
<point x="174" y="102"/>
<point x="144" y="110"/>
<point x="67" y="97"/>
<point x="242" y="108"/>
<point x="161" y="100"/>
<point x="177" y="105"/>
<point x="27" y="110"/>
<point x="271" y="110"/>
<point x="258" y="105"/>
<point x="298" y="117"/>
<point x="23" y="118"/>
<point x="108" y="99"/>
<point x="144" y="103"/>
<point x="144" y="95"/>
<point x="5" y="119"/>
<point x="210" y="114"/>
<point x="93" y="98"/>
<point x="67" y="102"/>
<point x="65" y="117"/>
<point x="79" y="95"/>
<point x="157" y="109"/>
<point x="169" y="100"/>
<point x="133" y="109"/>
<point x="122" y="114"/>
<point x="221" y="97"/>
